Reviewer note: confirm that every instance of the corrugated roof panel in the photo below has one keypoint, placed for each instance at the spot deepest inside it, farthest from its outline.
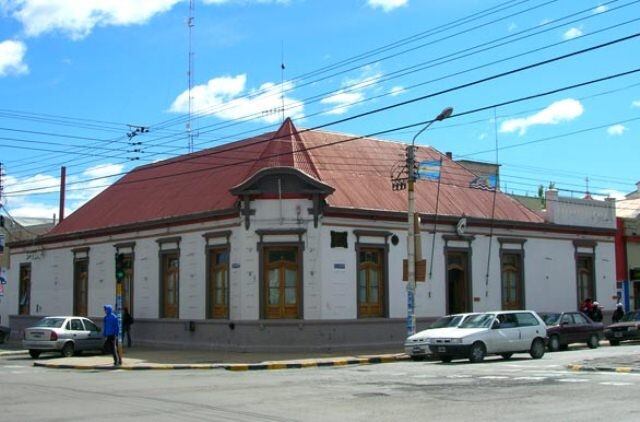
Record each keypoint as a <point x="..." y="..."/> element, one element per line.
<point x="359" y="170"/>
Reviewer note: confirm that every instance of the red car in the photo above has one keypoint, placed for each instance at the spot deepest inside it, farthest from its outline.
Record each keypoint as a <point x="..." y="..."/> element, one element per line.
<point x="564" y="328"/>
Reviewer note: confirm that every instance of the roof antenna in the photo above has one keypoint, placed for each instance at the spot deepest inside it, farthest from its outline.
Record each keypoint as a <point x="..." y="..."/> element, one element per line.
<point x="282" y="67"/>
<point x="190" y="24"/>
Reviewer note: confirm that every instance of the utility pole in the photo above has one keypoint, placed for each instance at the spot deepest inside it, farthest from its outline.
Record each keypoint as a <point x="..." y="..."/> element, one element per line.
<point x="411" y="220"/>
<point x="411" y="241"/>
<point x="63" y="183"/>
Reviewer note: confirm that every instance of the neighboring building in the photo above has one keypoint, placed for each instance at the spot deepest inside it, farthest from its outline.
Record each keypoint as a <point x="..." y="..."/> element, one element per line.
<point x="295" y="240"/>
<point x="12" y="231"/>
<point x="628" y="252"/>
<point x="635" y="194"/>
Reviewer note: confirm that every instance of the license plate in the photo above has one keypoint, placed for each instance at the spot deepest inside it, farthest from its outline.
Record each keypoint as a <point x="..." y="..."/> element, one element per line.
<point x="417" y="349"/>
<point x="617" y="335"/>
<point x="442" y="349"/>
<point x="36" y="335"/>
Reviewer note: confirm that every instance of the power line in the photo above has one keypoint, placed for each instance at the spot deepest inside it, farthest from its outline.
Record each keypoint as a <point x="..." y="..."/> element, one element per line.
<point x="269" y="138"/>
<point x="574" y="14"/>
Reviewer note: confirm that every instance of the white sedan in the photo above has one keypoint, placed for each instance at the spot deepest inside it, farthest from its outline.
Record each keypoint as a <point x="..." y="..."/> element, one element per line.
<point x="417" y="345"/>
<point x="493" y="333"/>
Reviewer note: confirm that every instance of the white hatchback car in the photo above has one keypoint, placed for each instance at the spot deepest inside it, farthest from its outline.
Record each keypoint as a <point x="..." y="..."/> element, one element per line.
<point x="493" y="333"/>
<point x="417" y="345"/>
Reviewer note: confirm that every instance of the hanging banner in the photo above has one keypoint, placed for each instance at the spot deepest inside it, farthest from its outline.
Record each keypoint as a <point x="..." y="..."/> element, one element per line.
<point x="3" y="276"/>
<point x="429" y="170"/>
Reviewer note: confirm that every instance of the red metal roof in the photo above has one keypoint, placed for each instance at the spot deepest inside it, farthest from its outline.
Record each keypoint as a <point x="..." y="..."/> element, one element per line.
<point x="359" y="170"/>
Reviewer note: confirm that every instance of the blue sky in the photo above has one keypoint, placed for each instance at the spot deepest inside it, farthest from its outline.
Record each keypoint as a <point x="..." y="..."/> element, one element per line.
<point x="87" y="69"/>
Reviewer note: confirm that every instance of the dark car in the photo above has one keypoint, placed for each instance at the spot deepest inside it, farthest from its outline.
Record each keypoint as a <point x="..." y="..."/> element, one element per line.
<point x="564" y="328"/>
<point x="627" y="329"/>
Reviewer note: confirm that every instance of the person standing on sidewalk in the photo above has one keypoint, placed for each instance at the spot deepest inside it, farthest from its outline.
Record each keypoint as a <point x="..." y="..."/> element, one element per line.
<point x="618" y="313"/>
<point x="110" y="332"/>
<point x="127" y="321"/>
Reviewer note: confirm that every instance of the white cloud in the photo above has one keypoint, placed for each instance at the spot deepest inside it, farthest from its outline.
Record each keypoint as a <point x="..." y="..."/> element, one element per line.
<point x="616" y="130"/>
<point x="45" y="206"/>
<point x="558" y="112"/>
<point x="11" y="58"/>
<point x="354" y="91"/>
<point x="218" y="2"/>
<point x="610" y="193"/>
<point x="397" y="90"/>
<point x="600" y="9"/>
<point x="387" y="5"/>
<point x="77" y="19"/>
<point x="572" y="33"/>
<point x="342" y="101"/>
<point x="227" y="97"/>
<point x="635" y="103"/>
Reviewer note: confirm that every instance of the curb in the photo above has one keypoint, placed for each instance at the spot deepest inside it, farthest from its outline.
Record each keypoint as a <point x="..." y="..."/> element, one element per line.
<point x="14" y="352"/>
<point x="238" y="366"/>
<point x="589" y="368"/>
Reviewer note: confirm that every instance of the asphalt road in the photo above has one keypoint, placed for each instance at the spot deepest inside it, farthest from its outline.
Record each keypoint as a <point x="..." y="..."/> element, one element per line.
<point x="518" y="389"/>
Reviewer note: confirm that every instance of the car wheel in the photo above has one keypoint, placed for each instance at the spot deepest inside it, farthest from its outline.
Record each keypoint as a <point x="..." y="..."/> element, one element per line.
<point x="34" y="353"/>
<point x="417" y="358"/>
<point x="446" y="359"/>
<point x="593" y="342"/>
<point x="554" y="343"/>
<point x="614" y="342"/>
<point x="537" y="349"/>
<point x="506" y="356"/>
<point x="477" y="353"/>
<point x="67" y="350"/>
<point x="2" y="337"/>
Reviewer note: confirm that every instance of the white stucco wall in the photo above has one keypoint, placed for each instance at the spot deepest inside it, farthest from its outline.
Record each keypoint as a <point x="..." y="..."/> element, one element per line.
<point x="329" y="290"/>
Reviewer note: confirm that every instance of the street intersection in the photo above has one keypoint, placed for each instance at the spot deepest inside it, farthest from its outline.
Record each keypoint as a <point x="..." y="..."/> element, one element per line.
<point x="517" y="389"/>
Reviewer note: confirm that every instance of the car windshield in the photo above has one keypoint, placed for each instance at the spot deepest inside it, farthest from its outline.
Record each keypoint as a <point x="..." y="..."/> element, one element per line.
<point x="550" y="319"/>
<point x="631" y="316"/>
<point x="478" y="321"/>
<point x="50" y="323"/>
<point x="447" y="321"/>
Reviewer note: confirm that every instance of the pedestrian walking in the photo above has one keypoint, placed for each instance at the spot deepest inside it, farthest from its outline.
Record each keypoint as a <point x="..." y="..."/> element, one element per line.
<point x="596" y="312"/>
<point x="127" y="321"/>
<point x="110" y="332"/>
<point x="618" y="313"/>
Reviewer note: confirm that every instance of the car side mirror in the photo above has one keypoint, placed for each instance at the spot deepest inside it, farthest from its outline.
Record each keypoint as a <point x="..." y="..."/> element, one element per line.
<point x="496" y="324"/>
<point x="564" y="323"/>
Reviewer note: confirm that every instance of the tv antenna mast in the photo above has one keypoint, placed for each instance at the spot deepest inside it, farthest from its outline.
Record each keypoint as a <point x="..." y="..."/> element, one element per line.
<point x="190" y="24"/>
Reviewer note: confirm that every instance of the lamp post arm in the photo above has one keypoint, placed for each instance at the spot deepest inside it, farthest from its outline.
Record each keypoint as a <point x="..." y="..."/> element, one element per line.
<point x="413" y="141"/>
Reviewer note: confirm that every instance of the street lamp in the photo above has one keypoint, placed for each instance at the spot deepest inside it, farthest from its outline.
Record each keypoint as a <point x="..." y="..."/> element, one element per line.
<point x="411" y="245"/>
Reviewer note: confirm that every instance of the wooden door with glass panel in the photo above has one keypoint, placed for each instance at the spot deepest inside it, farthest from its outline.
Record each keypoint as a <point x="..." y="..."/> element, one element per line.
<point x="81" y="287"/>
<point x="370" y="282"/>
<point x="512" y="281"/>
<point x="170" y="285"/>
<point x="218" y="283"/>
<point x="281" y="282"/>
<point x="458" y="283"/>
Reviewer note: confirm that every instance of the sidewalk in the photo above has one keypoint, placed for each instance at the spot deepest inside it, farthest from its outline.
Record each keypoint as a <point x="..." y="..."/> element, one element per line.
<point x="141" y="358"/>
<point x="623" y="364"/>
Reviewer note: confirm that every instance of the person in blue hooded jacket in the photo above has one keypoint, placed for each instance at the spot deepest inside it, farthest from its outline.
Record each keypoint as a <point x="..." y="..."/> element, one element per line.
<point x="110" y="332"/>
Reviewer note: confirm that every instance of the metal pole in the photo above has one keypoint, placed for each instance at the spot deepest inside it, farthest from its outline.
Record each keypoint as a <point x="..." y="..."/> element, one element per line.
<point x="411" y="245"/>
<point x="63" y="187"/>
<point x="119" y="314"/>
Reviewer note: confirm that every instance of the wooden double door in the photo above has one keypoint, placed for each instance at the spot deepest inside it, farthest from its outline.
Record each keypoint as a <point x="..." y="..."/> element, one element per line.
<point x="458" y="282"/>
<point x="81" y="287"/>
<point x="281" y="275"/>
